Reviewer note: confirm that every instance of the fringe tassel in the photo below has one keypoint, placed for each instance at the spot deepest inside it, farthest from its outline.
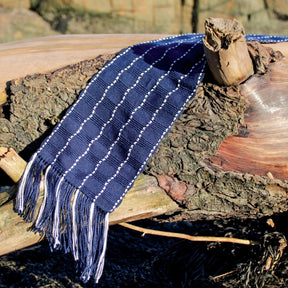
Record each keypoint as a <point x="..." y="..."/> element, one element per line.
<point x="29" y="189"/>
<point x="94" y="246"/>
<point x="69" y="219"/>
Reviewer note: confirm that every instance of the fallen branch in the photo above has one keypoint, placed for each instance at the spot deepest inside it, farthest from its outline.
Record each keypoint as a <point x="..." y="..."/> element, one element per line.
<point x="188" y="237"/>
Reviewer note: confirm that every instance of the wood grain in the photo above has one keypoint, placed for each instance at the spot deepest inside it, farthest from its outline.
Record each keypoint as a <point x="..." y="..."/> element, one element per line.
<point x="263" y="150"/>
<point x="41" y="55"/>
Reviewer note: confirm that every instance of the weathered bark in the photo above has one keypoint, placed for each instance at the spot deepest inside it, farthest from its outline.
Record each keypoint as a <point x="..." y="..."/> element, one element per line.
<point x="185" y="163"/>
<point x="37" y="103"/>
<point x="226" y="162"/>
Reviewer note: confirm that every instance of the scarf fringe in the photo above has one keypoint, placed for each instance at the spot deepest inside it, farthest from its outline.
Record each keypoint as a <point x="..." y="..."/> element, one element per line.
<point x="69" y="219"/>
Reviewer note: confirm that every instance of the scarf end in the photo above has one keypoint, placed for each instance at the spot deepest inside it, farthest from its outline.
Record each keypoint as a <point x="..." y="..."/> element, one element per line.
<point x="70" y="220"/>
<point x="29" y="189"/>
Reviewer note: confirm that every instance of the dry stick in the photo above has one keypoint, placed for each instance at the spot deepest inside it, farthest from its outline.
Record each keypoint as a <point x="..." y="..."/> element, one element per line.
<point x="188" y="237"/>
<point x="223" y="275"/>
<point x="11" y="163"/>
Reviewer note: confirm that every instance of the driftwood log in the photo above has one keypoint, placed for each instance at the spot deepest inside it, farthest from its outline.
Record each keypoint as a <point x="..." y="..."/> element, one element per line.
<point x="16" y="234"/>
<point x="219" y="160"/>
<point x="47" y="54"/>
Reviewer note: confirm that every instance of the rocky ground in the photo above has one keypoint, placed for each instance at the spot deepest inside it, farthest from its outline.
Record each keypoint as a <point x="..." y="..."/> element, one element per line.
<point x="19" y="24"/>
<point x="24" y="19"/>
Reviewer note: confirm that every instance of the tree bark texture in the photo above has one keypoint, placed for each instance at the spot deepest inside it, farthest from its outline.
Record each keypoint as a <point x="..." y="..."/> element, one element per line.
<point x="191" y="162"/>
<point x="37" y="102"/>
<point x="183" y="164"/>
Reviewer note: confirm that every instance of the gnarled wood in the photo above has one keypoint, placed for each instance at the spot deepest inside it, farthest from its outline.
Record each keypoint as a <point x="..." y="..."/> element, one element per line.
<point x="226" y="51"/>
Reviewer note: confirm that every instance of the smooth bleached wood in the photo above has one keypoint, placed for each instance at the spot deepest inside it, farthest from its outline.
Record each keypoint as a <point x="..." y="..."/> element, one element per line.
<point x="42" y="55"/>
<point x="263" y="147"/>
<point x="11" y="163"/>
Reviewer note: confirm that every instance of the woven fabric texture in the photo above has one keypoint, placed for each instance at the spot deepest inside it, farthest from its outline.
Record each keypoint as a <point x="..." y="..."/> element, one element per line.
<point x="104" y="141"/>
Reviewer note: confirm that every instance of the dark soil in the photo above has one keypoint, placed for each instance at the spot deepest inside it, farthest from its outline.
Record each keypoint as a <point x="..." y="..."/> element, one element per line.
<point x="154" y="261"/>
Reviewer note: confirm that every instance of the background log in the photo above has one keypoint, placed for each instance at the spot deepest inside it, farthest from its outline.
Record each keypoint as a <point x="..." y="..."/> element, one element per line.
<point x="46" y="54"/>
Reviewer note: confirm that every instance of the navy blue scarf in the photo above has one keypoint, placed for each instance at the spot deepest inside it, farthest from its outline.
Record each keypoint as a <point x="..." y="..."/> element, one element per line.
<point x="104" y="141"/>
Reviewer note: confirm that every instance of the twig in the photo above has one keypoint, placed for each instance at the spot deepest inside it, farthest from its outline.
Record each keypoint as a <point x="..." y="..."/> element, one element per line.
<point x="223" y="275"/>
<point x="188" y="237"/>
